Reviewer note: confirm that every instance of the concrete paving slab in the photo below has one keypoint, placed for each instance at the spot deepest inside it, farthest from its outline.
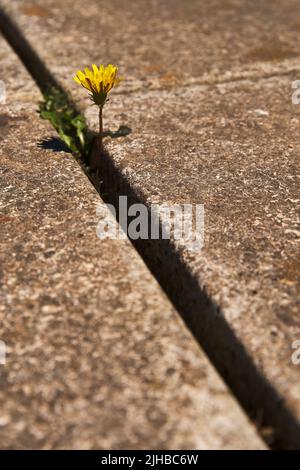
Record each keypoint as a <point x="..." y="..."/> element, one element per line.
<point x="215" y="147"/>
<point x="165" y="43"/>
<point x="227" y="138"/>
<point x="96" y="356"/>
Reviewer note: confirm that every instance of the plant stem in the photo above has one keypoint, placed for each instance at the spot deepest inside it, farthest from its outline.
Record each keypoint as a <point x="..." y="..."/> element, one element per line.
<point x="100" y="128"/>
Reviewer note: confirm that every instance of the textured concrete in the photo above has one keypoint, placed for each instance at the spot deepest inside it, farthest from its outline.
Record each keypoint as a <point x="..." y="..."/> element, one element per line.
<point x="96" y="355"/>
<point x="164" y="43"/>
<point x="208" y="97"/>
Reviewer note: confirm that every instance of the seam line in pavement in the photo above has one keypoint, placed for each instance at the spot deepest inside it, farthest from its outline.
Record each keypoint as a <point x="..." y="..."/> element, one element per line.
<point x="257" y="396"/>
<point x="206" y="83"/>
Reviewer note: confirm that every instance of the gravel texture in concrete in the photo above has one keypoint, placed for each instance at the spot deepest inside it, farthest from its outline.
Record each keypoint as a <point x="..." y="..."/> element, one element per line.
<point x="96" y="356"/>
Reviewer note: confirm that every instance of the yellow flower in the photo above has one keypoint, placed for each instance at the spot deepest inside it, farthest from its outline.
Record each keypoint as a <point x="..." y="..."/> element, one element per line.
<point x="98" y="81"/>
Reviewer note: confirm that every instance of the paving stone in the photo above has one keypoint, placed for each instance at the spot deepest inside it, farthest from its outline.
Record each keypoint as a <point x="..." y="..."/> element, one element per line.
<point x="96" y="355"/>
<point x="208" y="97"/>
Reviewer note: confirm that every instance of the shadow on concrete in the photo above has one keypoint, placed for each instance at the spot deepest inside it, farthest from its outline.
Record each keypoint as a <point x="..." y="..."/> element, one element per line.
<point x="55" y="144"/>
<point x="207" y="322"/>
<point x="121" y="132"/>
<point x="204" y="318"/>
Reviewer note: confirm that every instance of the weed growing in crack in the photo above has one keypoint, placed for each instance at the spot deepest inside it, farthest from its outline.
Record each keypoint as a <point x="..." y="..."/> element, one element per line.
<point x="70" y="124"/>
<point x="71" y="127"/>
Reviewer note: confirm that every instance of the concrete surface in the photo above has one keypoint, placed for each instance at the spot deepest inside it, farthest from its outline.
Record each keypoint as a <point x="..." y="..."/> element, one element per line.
<point x="164" y="43"/>
<point x="97" y="358"/>
<point x="208" y="97"/>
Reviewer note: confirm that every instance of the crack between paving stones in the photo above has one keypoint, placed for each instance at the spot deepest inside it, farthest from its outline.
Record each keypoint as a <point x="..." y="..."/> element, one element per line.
<point x="202" y="315"/>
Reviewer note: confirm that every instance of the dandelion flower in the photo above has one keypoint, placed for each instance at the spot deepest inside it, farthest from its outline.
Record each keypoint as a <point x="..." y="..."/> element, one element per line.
<point x="99" y="81"/>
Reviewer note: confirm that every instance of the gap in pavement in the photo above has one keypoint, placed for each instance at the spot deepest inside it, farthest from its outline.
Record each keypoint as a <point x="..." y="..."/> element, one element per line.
<point x="257" y="396"/>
